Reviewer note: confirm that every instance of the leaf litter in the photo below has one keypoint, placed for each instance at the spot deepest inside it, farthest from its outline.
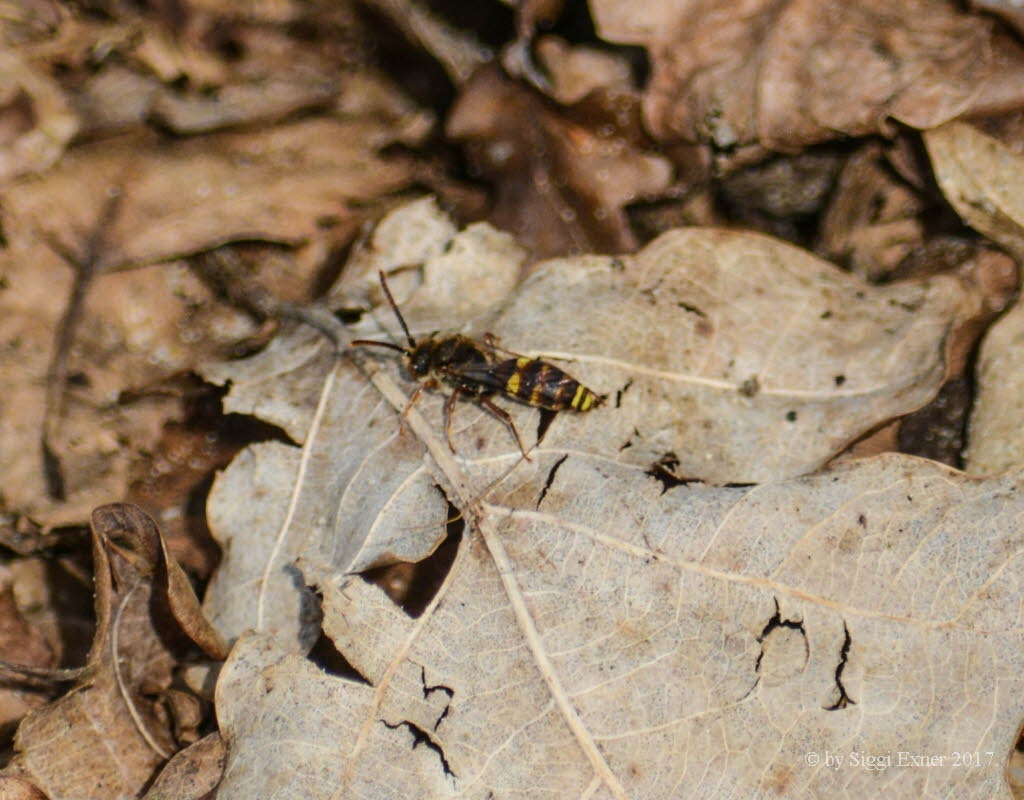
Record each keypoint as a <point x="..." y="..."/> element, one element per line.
<point x="686" y="591"/>
<point x="615" y="628"/>
<point x="116" y="725"/>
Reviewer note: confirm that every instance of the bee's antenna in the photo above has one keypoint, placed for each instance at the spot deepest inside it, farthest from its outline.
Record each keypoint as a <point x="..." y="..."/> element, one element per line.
<point x="364" y="342"/>
<point x="394" y="307"/>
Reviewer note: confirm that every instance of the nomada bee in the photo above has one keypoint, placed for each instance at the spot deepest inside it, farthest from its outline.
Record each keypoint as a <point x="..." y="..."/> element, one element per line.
<point x="479" y="370"/>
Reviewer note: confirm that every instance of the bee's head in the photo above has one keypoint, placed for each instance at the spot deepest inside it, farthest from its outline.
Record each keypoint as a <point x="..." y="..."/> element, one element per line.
<point x="417" y="359"/>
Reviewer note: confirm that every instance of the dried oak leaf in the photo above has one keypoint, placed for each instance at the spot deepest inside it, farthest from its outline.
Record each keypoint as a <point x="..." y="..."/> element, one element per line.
<point x="193" y="772"/>
<point x="598" y="636"/>
<point x="140" y="325"/>
<point x="20" y="643"/>
<point x="705" y="375"/>
<point x="561" y="180"/>
<point x="790" y="74"/>
<point x="274" y="185"/>
<point x="604" y="631"/>
<point x="258" y="508"/>
<point x="105" y="738"/>
<point x="981" y="178"/>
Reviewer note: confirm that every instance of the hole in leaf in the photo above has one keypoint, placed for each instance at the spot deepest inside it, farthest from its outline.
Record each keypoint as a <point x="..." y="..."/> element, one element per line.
<point x="843" y="699"/>
<point x="551" y="479"/>
<point x="328" y="658"/>
<point x="420" y="736"/>
<point x="664" y="469"/>
<point x="544" y="422"/>
<point x="413" y="586"/>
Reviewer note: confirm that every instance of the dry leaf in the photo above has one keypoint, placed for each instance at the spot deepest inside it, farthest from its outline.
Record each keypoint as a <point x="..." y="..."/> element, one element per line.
<point x="791" y="74"/>
<point x="22" y="644"/>
<point x="274" y="185"/>
<point x="140" y="326"/>
<point x="137" y="327"/>
<point x="873" y="218"/>
<point x="193" y="772"/>
<point x="981" y="178"/>
<point x="265" y="510"/>
<point x="577" y="71"/>
<point x="605" y="629"/>
<point x="561" y="182"/>
<point x="105" y="737"/>
<point x="601" y="637"/>
<point x="996" y="442"/>
<point x="675" y="336"/>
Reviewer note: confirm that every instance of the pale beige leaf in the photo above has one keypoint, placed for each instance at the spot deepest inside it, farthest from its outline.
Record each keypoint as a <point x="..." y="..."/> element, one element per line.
<point x="737" y="357"/>
<point x="983" y="180"/>
<point x="699" y="642"/>
<point x="997" y="421"/>
<point x="332" y="506"/>
<point x="702" y="371"/>
<point x="600" y="634"/>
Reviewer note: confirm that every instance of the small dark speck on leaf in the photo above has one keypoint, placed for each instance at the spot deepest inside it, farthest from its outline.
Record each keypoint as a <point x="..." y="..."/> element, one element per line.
<point x="691" y="309"/>
<point x="621" y="392"/>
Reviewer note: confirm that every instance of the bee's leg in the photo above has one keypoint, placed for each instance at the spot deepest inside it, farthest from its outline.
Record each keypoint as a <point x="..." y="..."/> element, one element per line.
<point x="429" y="384"/>
<point x="503" y="415"/>
<point x="449" y="409"/>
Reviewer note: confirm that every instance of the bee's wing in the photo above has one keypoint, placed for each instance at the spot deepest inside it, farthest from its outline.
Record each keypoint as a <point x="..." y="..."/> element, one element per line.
<point x="489" y="344"/>
<point x="492" y="377"/>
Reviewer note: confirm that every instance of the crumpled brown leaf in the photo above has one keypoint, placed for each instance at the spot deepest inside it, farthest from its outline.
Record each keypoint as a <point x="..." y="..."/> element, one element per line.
<point x="293" y="184"/>
<point x="873" y="218"/>
<point x="561" y="179"/>
<point x="105" y="737"/>
<point x="193" y="772"/>
<point x="23" y="644"/>
<point x="277" y="185"/>
<point x="790" y="74"/>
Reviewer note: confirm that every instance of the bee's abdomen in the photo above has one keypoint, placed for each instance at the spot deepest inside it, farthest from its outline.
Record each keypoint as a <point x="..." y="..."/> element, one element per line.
<point x="544" y="385"/>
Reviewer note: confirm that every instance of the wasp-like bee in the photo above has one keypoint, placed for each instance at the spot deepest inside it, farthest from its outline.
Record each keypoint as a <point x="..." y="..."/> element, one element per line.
<point x="480" y="370"/>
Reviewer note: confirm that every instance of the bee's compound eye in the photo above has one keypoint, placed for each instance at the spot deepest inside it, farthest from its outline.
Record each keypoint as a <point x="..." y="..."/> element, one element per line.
<point x="419" y="363"/>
